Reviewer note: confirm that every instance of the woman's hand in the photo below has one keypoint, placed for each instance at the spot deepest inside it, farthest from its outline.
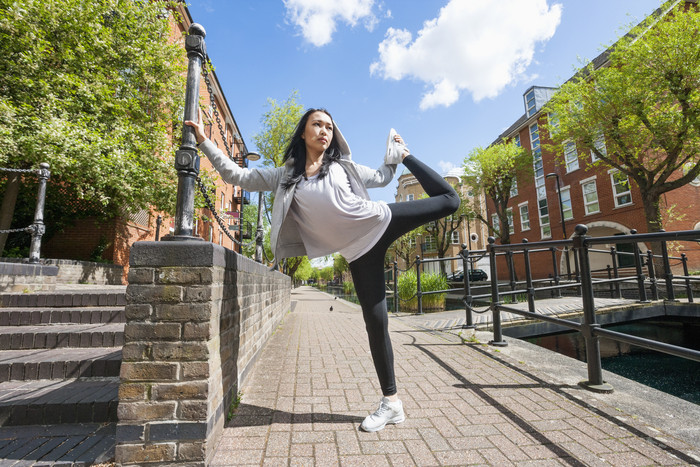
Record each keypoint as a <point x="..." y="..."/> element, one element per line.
<point x="400" y="140"/>
<point x="198" y="128"/>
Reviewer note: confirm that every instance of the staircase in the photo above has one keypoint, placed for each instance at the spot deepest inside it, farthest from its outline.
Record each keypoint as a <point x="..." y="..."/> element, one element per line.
<point x="60" y="354"/>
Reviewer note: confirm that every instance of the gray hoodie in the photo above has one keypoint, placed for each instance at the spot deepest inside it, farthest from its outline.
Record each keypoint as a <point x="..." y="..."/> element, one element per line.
<point x="285" y="239"/>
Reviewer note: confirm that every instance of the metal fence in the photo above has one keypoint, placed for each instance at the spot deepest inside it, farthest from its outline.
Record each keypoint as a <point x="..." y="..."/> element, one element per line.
<point x="37" y="228"/>
<point x="645" y="280"/>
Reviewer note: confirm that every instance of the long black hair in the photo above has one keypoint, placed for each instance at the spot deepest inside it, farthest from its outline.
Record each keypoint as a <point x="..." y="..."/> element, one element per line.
<point x="296" y="151"/>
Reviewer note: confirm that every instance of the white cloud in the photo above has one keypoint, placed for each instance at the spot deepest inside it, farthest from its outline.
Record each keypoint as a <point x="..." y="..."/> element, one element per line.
<point x="446" y="166"/>
<point x="478" y="47"/>
<point x="317" y="18"/>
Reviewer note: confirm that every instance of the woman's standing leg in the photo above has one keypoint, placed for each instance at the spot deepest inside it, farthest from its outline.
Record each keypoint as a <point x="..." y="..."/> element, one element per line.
<point x="368" y="277"/>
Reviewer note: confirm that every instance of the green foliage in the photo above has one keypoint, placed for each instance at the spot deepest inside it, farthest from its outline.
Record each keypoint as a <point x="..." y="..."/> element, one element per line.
<point x="408" y="286"/>
<point x="302" y="268"/>
<point x="340" y="265"/>
<point x="94" y="89"/>
<point x="348" y="287"/>
<point x="278" y="124"/>
<point x="493" y="171"/>
<point x="641" y="113"/>
<point x="327" y="273"/>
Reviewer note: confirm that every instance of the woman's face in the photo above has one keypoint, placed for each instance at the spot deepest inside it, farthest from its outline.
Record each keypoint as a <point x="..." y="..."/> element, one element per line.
<point x="318" y="133"/>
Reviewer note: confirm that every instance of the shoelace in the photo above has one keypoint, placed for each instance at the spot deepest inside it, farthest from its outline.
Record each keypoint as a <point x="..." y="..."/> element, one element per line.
<point x="382" y="408"/>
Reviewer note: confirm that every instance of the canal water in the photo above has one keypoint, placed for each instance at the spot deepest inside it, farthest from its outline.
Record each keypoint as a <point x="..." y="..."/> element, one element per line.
<point x="673" y="375"/>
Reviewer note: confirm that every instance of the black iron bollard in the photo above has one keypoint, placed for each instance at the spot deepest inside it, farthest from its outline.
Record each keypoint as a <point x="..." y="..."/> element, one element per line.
<point x="396" y="287"/>
<point x="37" y="228"/>
<point x="595" y="369"/>
<point x="186" y="158"/>
<point x="495" y="297"/>
<point x="468" y="318"/>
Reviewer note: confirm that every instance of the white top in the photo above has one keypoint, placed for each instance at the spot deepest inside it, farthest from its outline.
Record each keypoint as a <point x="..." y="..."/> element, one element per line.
<point x="331" y="218"/>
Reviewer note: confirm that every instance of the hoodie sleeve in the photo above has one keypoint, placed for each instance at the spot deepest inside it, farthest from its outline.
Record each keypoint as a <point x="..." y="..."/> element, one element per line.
<point x="249" y="179"/>
<point x="376" y="178"/>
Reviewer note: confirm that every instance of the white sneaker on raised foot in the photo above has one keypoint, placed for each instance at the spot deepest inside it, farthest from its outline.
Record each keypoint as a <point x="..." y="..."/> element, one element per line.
<point x="388" y="412"/>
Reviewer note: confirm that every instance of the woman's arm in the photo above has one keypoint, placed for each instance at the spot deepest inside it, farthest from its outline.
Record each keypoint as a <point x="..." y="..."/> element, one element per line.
<point x="248" y="179"/>
<point x="385" y="173"/>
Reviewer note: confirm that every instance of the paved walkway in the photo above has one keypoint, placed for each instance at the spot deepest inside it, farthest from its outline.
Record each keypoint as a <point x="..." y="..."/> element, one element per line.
<point x="466" y="403"/>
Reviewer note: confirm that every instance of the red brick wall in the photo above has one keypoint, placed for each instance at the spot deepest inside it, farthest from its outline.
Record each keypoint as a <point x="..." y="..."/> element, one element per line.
<point x="686" y="199"/>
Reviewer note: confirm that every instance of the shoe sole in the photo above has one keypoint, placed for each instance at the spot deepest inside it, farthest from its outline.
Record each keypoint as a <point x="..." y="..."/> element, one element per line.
<point x="389" y="422"/>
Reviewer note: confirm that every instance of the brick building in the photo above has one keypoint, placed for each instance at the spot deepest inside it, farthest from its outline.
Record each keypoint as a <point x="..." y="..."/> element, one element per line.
<point x="409" y="189"/>
<point x="607" y="202"/>
<point x="114" y="239"/>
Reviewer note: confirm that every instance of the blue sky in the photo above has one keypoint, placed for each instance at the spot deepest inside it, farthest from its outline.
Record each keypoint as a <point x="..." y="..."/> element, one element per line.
<point x="449" y="75"/>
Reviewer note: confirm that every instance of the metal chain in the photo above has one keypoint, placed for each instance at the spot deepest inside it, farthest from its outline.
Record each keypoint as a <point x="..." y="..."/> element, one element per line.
<point x="219" y="220"/>
<point x="5" y="169"/>
<point x="212" y="102"/>
<point x="202" y="188"/>
<point x="26" y="229"/>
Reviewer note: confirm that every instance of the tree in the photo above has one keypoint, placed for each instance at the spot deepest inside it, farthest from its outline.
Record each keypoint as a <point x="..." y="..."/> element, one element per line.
<point x="327" y="273"/>
<point x="442" y="229"/>
<point x="340" y="265"/>
<point x="640" y="113"/>
<point x="95" y="89"/>
<point x="303" y="270"/>
<point x="278" y="123"/>
<point x="405" y="245"/>
<point x="493" y="171"/>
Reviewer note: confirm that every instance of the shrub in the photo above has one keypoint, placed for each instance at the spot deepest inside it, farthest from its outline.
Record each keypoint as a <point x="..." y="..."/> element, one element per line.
<point x="348" y="287"/>
<point x="408" y="286"/>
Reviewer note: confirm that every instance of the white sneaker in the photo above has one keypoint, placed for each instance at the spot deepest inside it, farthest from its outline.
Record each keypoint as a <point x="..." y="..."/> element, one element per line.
<point x="388" y="412"/>
<point x="394" y="150"/>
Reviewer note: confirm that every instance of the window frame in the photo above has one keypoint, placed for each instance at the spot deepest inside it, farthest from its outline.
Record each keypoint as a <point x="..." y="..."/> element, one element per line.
<point x="570" y="161"/>
<point x="571" y="205"/>
<point x="613" y="173"/>
<point x="527" y="215"/>
<point x="586" y="203"/>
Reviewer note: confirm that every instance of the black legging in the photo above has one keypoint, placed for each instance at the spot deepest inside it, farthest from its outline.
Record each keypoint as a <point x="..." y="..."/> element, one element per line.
<point x="368" y="270"/>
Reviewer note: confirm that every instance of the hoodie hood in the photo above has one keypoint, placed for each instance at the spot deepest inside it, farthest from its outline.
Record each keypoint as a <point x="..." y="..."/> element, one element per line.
<point x="342" y="143"/>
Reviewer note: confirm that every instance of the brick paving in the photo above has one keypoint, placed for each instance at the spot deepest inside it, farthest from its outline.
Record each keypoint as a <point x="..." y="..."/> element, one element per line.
<point x="466" y="404"/>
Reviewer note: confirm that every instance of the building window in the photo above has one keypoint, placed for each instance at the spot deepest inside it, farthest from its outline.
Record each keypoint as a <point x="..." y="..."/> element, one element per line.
<point x="590" y="196"/>
<point x="545" y="230"/>
<point x="221" y="238"/>
<point x="514" y="188"/>
<point x="430" y="244"/>
<point x="537" y="164"/>
<point x="621" y="188"/>
<point x="509" y="218"/>
<point x="495" y="223"/>
<point x="517" y="140"/>
<point x="455" y="237"/>
<point x="409" y="197"/>
<point x="566" y="203"/>
<point x="553" y="120"/>
<point x="412" y="243"/>
<point x="599" y="144"/>
<point x="524" y="218"/>
<point x="570" y="156"/>
<point x="530" y="103"/>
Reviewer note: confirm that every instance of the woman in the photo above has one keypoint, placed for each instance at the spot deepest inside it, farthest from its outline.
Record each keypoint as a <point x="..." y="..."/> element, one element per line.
<point x="322" y="207"/>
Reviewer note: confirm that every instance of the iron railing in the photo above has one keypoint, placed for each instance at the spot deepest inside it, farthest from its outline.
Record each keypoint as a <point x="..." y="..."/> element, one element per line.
<point x="37" y="228"/>
<point x="643" y="276"/>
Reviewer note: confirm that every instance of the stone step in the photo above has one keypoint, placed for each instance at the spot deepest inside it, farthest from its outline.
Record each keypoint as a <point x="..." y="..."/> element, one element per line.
<point x="78" y="315"/>
<point x="61" y="335"/>
<point x="51" y="402"/>
<point x="69" y="298"/>
<point x="62" y="363"/>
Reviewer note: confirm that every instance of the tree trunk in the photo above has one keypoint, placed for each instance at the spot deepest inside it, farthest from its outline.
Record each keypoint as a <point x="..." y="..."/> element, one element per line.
<point x="654" y="221"/>
<point x="8" y="207"/>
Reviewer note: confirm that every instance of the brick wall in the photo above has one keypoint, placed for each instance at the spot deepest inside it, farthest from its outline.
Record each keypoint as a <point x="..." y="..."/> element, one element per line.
<point x="197" y="317"/>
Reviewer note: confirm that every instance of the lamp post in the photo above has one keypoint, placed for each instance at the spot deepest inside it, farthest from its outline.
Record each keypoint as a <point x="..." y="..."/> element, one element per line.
<point x="563" y="223"/>
<point x="254" y="156"/>
<point x="186" y="158"/>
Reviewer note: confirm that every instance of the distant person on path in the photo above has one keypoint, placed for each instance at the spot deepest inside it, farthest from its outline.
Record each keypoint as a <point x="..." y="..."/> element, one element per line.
<point x="322" y="207"/>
